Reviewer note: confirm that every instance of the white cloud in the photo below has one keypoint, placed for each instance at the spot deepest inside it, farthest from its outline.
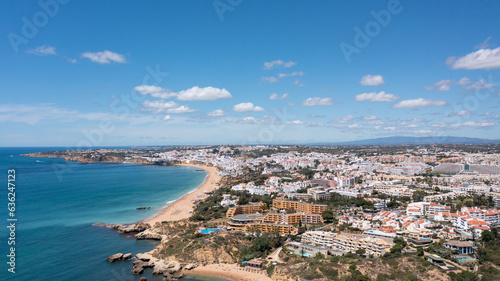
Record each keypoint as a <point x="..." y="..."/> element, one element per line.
<point x="376" y="97"/>
<point x="372" y="80"/>
<point x="420" y="102"/>
<point x="275" y="96"/>
<point x="316" y="116"/>
<point x="158" y="106"/>
<point x="247" y="107"/>
<point x="104" y="57"/>
<point x="354" y="126"/>
<point x="460" y="113"/>
<point x="216" y="113"/>
<point x="278" y="63"/>
<point x="295" y="73"/>
<point x="480" y="59"/>
<point x="194" y="93"/>
<point x="479" y="124"/>
<point x="390" y="128"/>
<point x="413" y="120"/>
<point x="374" y="122"/>
<point x="71" y="60"/>
<point x="371" y="117"/>
<point x="440" y="125"/>
<point x="412" y="126"/>
<point x="464" y="81"/>
<point x="479" y="85"/>
<point x="154" y="91"/>
<point x="297" y="82"/>
<point x="296" y="122"/>
<point x="484" y="44"/>
<point x="206" y="93"/>
<point x="181" y="109"/>
<point x="248" y="119"/>
<point x="167" y="117"/>
<point x="345" y="119"/>
<point x="422" y="132"/>
<point x="270" y="79"/>
<point x="443" y="85"/>
<point x="317" y="101"/>
<point x="44" y="50"/>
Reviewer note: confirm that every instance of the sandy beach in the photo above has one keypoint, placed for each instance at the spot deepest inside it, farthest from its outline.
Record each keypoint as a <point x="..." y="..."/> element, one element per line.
<point x="230" y="271"/>
<point x="179" y="209"/>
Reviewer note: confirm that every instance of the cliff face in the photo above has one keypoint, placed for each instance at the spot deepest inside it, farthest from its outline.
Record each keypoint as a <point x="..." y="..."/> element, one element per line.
<point x="282" y="274"/>
<point x="211" y="255"/>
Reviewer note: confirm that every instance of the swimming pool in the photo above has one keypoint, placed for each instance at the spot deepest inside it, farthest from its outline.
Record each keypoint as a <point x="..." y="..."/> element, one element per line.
<point x="209" y="230"/>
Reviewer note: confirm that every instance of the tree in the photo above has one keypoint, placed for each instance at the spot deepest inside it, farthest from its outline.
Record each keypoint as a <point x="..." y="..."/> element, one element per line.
<point x="302" y="252"/>
<point x="494" y="231"/>
<point x="420" y="251"/>
<point x="396" y="248"/>
<point x="360" y="252"/>
<point x="487" y="236"/>
<point x="319" y="256"/>
<point x="464" y="276"/>
<point x="418" y="195"/>
<point x="328" y="216"/>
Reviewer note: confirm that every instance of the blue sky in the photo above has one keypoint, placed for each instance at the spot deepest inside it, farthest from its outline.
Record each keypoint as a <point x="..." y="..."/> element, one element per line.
<point x="100" y="73"/>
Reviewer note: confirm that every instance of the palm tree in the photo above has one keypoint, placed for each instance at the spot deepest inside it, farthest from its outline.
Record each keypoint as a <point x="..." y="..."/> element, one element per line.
<point x="302" y="252"/>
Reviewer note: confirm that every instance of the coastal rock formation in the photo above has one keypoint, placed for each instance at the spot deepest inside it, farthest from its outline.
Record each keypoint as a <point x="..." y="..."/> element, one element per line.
<point x="210" y="255"/>
<point x="189" y="266"/>
<point x="165" y="267"/>
<point x="145" y="257"/>
<point x="178" y="275"/>
<point x="140" y="265"/>
<point x="138" y="227"/>
<point x="284" y="274"/>
<point x="149" y="234"/>
<point x="110" y="226"/>
<point x="115" y="257"/>
<point x="137" y="270"/>
<point x="127" y="256"/>
<point x="160" y="266"/>
<point x="143" y="279"/>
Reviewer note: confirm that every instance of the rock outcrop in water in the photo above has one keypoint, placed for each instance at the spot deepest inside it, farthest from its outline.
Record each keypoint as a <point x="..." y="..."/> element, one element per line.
<point x="133" y="228"/>
<point x="160" y="266"/>
<point x="110" y="226"/>
<point x="115" y="257"/>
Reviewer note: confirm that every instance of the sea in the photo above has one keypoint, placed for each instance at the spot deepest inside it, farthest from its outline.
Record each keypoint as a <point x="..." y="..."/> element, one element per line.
<point x="57" y="202"/>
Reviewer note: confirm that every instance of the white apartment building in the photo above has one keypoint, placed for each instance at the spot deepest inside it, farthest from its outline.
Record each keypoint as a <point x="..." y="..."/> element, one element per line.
<point x="319" y="238"/>
<point x="372" y="246"/>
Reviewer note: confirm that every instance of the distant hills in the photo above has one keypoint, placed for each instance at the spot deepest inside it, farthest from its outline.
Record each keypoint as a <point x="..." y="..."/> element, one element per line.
<point x="418" y="141"/>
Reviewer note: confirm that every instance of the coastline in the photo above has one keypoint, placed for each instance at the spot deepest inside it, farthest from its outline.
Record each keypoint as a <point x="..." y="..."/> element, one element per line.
<point x="228" y="271"/>
<point x="180" y="208"/>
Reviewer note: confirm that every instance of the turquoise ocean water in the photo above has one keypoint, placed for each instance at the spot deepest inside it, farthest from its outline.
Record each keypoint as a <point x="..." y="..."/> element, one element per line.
<point x="57" y="202"/>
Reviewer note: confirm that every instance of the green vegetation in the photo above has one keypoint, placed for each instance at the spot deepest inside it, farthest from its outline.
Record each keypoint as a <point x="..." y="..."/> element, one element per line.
<point x="210" y="209"/>
<point x="337" y="200"/>
<point x="490" y="252"/>
<point x="463" y="276"/>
